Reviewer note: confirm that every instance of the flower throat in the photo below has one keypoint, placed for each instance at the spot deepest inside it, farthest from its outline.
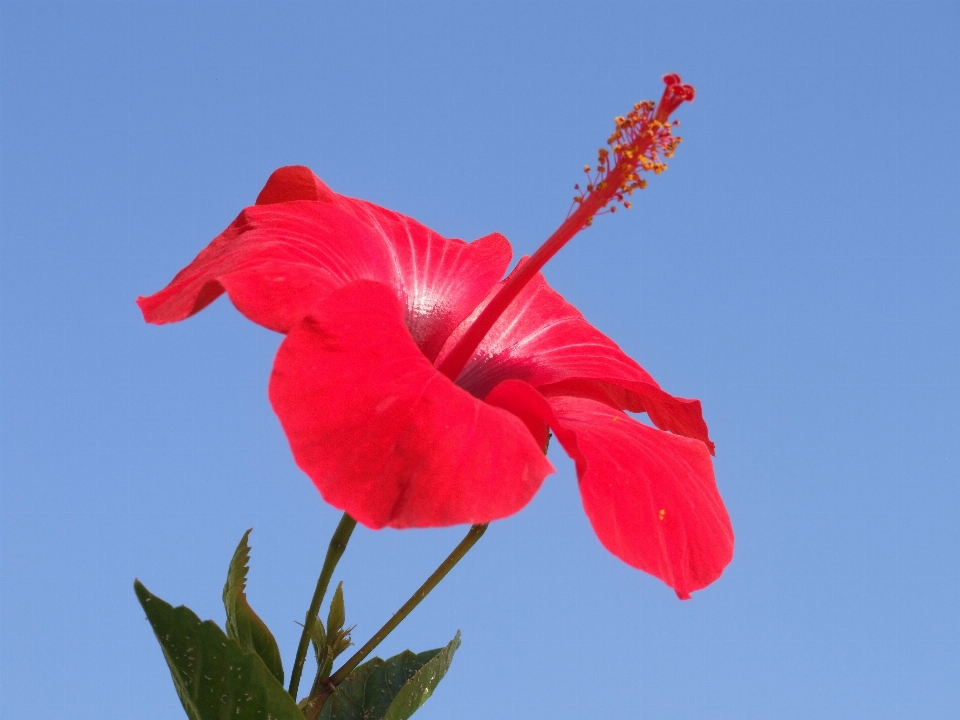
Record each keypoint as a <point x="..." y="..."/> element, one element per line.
<point x="641" y="142"/>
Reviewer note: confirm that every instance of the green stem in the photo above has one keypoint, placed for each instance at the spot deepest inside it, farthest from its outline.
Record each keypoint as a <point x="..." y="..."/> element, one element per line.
<point x="322" y="678"/>
<point x="338" y="543"/>
<point x="313" y="708"/>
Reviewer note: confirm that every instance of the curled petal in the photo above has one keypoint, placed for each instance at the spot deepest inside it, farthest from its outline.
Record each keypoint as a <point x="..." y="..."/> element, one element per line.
<point x="294" y="182"/>
<point x="281" y="258"/>
<point x="545" y="341"/>
<point x="650" y="496"/>
<point x="679" y="415"/>
<point x="386" y="437"/>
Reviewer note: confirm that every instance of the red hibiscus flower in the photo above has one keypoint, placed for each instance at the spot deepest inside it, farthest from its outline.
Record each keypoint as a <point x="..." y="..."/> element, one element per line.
<point x="418" y="389"/>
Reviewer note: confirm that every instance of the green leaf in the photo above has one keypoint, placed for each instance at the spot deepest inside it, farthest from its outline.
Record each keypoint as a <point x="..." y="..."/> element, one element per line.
<point x="389" y="689"/>
<point x="214" y="677"/>
<point x="338" y="637"/>
<point x="243" y="624"/>
<point x="421" y="686"/>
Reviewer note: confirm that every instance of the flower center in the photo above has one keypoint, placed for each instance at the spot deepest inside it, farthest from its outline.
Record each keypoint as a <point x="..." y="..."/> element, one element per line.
<point x="640" y="142"/>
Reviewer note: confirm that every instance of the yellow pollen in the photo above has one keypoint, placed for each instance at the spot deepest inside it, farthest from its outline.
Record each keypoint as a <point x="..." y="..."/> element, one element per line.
<point x="639" y="143"/>
<point x="662" y="513"/>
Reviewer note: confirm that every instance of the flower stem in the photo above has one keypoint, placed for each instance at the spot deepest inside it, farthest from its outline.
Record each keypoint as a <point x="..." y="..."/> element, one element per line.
<point x="338" y="543"/>
<point x="312" y="710"/>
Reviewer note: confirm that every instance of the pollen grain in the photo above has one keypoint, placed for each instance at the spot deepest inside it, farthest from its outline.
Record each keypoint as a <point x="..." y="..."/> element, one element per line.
<point x="642" y="141"/>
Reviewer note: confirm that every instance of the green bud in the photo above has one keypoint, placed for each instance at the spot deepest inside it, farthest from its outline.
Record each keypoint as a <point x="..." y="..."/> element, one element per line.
<point x="337" y="615"/>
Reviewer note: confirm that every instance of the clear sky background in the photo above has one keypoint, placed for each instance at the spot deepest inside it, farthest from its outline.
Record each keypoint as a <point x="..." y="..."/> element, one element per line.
<point x="797" y="269"/>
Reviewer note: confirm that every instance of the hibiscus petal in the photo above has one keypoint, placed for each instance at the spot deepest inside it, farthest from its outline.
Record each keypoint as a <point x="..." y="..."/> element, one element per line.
<point x="277" y="263"/>
<point x="545" y="341"/>
<point x="650" y="495"/>
<point x="282" y="257"/>
<point x="294" y="182"/>
<point x="386" y="437"/>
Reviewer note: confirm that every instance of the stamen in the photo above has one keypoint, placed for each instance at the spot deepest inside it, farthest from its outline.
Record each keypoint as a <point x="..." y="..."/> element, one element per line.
<point x="640" y="142"/>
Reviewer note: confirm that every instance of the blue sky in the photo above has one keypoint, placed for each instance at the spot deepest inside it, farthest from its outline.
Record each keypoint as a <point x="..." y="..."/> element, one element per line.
<point x="796" y="269"/>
